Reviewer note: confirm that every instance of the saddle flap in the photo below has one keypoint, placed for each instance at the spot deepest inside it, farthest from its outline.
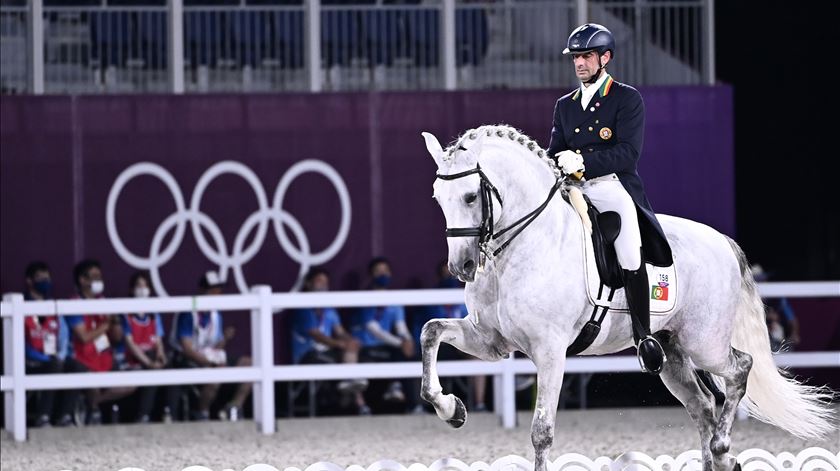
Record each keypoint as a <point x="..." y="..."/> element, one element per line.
<point x="605" y="229"/>
<point x="610" y="225"/>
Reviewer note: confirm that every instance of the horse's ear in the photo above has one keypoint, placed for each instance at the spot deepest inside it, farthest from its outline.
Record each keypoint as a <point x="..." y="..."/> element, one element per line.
<point x="434" y="147"/>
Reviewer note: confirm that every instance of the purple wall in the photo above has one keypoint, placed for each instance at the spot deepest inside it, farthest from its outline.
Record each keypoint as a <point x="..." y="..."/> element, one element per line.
<point x="61" y="155"/>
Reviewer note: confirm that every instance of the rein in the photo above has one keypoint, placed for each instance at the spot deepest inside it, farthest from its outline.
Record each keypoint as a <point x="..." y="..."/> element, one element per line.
<point x="485" y="231"/>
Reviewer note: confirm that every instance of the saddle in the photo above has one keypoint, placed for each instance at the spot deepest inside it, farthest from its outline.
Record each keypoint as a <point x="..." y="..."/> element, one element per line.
<point x="605" y="229"/>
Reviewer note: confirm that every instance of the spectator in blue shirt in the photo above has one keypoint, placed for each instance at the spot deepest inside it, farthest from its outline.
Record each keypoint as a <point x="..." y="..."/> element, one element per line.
<point x="384" y="334"/>
<point x="318" y="337"/>
<point x="198" y="340"/>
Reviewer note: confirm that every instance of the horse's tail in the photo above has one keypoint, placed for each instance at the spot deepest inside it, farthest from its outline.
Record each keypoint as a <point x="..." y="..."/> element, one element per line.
<point x="772" y="396"/>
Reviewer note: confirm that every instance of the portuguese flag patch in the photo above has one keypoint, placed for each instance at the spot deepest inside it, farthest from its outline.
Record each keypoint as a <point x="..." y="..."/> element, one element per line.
<point x="659" y="292"/>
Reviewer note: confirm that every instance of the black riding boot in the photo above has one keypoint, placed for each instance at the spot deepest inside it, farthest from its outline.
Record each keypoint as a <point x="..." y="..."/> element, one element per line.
<point x="636" y="288"/>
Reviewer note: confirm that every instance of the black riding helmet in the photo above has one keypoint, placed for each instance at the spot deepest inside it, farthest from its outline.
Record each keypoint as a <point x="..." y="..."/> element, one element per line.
<point x="590" y="37"/>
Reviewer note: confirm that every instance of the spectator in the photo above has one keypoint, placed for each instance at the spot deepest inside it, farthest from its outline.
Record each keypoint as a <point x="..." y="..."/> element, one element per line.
<point x="318" y="337"/>
<point x="143" y="342"/>
<point x="775" y="329"/>
<point x="782" y="325"/>
<point x="90" y="338"/>
<point x="383" y="332"/>
<point x="199" y="340"/>
<point x="46" y="343"/>
<point x="478" y="384"/>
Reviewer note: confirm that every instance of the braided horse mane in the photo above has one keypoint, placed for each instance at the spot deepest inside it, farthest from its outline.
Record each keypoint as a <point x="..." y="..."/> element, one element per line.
<point x="502" y="131"/>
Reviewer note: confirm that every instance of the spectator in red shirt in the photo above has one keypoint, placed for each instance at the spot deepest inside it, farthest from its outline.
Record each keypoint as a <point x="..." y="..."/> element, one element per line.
<point x="143" y="340"/>
<point x="91" y="345"/>
<point x="46" y="340"/>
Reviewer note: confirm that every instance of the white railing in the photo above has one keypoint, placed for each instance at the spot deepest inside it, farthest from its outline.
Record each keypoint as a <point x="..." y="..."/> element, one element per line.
<point x="263" y="304"/>
<point x="318" y="45"/>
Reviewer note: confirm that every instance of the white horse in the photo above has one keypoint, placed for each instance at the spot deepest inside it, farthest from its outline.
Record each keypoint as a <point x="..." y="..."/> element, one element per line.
<point x="531" y="297"/>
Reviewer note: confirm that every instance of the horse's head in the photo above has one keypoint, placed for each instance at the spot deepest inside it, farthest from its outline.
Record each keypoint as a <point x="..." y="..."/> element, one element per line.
<point x="513" y="171"/>
<point x="464" y="194"/>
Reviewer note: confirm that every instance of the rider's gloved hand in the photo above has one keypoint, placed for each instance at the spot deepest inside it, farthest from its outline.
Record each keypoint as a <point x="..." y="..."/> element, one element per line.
<point x="569" y="162"/>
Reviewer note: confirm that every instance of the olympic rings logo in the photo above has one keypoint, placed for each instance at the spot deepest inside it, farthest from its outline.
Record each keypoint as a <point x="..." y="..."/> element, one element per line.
<point x="217" y="252"/>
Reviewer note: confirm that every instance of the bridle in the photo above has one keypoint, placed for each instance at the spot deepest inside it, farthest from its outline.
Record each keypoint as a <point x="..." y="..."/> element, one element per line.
<point x="485" y="230"/>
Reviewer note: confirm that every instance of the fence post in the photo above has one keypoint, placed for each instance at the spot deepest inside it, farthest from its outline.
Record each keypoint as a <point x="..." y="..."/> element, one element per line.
<point x="498" y="398"/>
<point x="176" y="46"/>
<point x="508" y="383"/>
<point x="7" y="370"/>
<point x="709" y="42"/>
<point x="15" y="367"/>
<point x="582" y="11"/>
<point x="36" y="43"/>
<point x="313" y="44"/>
<point x="447" y="44"/>
<point x="262" y="343"/>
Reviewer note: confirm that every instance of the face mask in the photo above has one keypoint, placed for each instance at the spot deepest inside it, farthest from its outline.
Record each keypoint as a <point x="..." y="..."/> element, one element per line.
<point x="142" y="292"/>
<point x="97" y="287"/>
<point x="382" y="281"/>
<point x="44" y="287"/>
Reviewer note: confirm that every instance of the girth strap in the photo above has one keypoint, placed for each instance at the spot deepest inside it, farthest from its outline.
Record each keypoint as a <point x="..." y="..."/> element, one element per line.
<point x="592" y="328"/>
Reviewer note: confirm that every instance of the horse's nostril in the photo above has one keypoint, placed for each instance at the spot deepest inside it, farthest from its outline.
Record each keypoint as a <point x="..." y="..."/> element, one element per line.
<point x="468" y="266"/>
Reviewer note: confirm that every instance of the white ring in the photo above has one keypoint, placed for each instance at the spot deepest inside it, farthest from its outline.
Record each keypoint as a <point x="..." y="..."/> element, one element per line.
<point x="143" y="168"/>
<point x="344" y="198"/>
<point x="219" y="255"/>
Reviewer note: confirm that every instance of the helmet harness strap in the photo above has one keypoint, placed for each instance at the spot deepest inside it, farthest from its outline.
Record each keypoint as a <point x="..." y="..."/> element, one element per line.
<point x="597" y="73"/>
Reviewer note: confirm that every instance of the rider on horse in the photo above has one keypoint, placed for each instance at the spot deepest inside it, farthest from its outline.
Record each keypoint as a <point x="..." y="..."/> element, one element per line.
<point x="599" y="129"/>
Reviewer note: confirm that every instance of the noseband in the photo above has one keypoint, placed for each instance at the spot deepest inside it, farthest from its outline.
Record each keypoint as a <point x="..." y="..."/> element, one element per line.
<point x="485" y="231"/>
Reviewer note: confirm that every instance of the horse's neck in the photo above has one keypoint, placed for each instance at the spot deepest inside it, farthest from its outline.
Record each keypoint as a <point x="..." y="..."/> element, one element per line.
<point x="527" y="182"/>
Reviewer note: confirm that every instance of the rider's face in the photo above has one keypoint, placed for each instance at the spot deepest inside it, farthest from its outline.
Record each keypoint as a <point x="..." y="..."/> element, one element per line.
<point x="586" y="64"/>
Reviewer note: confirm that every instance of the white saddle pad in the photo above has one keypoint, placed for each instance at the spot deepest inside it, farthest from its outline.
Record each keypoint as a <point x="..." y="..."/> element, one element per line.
<point x="662" y="281"/>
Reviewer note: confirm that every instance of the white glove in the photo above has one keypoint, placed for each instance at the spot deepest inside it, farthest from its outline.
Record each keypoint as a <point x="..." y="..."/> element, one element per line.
<point x="570" y="162"/>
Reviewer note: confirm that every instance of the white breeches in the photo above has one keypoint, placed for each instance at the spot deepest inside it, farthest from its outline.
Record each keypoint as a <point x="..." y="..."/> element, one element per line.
<point x="607" y="194"/>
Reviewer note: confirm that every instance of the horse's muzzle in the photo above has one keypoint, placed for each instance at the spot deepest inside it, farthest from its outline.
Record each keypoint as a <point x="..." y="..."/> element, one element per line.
<point x="465" y="272"/>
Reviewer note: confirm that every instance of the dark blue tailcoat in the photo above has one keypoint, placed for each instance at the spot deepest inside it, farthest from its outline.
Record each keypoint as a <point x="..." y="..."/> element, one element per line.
<point x="609" y="135"/>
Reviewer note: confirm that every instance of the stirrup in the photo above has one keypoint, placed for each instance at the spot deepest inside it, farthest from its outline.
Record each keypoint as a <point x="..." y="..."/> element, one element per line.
<point x="651" y="355"/>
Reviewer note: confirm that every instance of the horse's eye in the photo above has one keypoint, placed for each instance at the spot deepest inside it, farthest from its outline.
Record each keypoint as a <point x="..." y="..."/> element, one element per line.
<point x="470" y="198"/>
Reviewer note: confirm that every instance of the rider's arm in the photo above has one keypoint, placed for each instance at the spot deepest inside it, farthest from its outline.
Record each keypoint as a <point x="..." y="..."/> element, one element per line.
<point x="558" y="141"/>
<point x="630" y="132"/>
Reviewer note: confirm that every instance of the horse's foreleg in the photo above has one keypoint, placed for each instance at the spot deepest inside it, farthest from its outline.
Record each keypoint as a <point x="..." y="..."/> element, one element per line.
<point x="549" y="381"/>
<point x="463" y="335"/>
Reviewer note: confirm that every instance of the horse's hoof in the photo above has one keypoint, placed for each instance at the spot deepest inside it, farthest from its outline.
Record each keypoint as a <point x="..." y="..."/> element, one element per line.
<point x="460" y="416"/>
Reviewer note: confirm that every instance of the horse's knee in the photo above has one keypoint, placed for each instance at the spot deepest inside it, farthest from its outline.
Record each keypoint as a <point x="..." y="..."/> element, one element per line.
<point x="720" y="444"/>
<point x="542" y="434"/>
<point x="431" y="332"/>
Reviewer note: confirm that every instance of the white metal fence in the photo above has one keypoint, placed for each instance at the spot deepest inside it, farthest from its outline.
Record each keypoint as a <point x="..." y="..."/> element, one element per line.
<point x="297" y="45"/>
<point x="262" y="304"/>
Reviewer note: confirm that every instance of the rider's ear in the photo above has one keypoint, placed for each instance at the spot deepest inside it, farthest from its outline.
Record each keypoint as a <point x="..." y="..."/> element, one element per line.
<point x="434" y="147"/>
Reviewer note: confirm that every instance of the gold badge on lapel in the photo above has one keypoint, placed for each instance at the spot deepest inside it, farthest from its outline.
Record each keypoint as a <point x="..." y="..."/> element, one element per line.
<point x="605" y="133"/>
